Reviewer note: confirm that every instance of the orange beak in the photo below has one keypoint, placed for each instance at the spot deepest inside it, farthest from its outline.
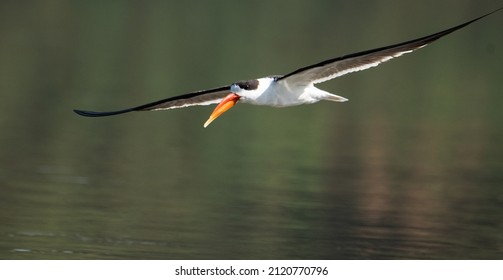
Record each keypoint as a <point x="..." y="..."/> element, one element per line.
<point x="224" y="105"/>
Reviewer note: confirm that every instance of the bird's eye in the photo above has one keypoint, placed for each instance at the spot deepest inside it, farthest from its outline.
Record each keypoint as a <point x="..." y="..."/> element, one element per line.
<point x="246" y="85"/>
<point x="243" y="86"/>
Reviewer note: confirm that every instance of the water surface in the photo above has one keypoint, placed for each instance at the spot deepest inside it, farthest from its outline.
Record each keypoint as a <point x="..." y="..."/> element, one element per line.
<point x="410" y="168"/>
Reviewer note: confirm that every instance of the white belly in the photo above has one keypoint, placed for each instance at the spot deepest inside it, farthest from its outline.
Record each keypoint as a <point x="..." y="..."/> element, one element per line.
<point x="282" y="94"/>
<point x="276" y="94"/>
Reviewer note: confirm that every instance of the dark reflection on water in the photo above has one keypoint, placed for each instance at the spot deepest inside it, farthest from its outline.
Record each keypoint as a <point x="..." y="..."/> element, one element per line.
<point x="411" y="167"/>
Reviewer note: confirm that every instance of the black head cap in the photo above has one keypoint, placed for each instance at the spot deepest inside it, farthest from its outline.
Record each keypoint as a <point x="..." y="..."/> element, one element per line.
<point x="248" y="85"/>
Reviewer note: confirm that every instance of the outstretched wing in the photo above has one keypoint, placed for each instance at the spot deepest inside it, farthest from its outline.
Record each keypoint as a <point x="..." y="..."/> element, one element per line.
<point x="204" y="97"/>
<point x="336" y="67"/>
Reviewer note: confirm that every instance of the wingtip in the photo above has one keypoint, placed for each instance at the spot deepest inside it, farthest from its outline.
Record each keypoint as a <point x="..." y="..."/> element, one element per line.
<point x="83" y="113"/>
<point x="101" y="114"/>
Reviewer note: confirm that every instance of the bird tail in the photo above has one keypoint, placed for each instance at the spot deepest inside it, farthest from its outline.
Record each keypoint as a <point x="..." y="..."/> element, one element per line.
<point x="336" y="98"/>
<point x="318" y="94"/>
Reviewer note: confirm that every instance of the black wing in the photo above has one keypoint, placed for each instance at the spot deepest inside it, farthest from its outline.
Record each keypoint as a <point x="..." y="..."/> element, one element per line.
<point x="336" y="67"/>
<point x="204" y="97"/>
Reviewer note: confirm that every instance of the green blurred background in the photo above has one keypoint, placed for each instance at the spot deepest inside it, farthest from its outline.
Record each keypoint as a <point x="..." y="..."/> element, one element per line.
<point x="410" y="167"/>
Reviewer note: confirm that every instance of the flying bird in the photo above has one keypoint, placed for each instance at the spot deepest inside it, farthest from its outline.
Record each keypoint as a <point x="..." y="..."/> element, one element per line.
<point x="294" y="88"/>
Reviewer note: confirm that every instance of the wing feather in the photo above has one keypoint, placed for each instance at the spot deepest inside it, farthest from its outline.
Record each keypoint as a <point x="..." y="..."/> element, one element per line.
<point x="204" y="97"/>
<point x="336" y="67"/>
